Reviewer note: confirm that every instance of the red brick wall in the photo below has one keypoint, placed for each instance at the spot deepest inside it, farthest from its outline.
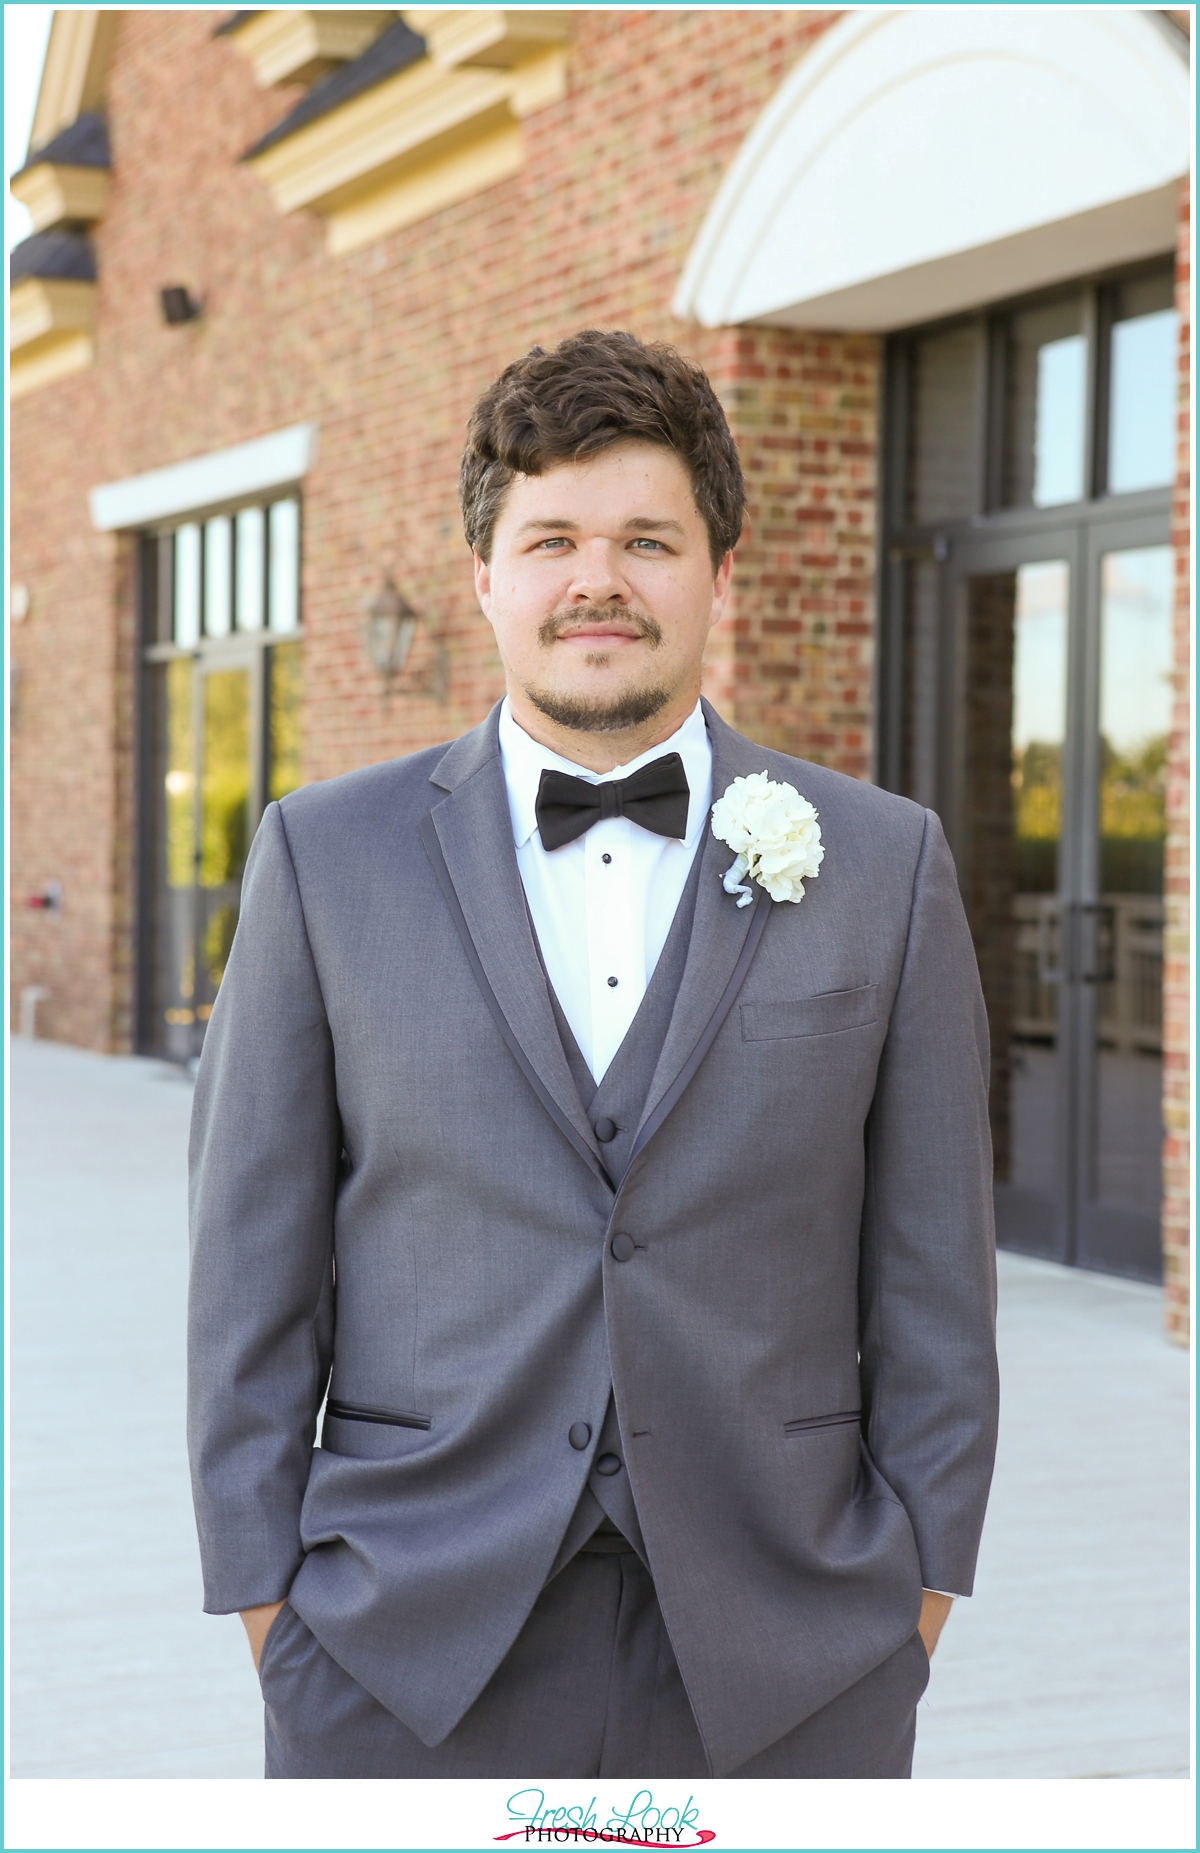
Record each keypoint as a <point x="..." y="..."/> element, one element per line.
<point x="804" y="408"/>
<point x="1177" y="1009"/>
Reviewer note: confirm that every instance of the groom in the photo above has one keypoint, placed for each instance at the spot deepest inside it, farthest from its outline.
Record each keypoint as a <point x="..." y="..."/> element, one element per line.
<point x="622" y="1192"/>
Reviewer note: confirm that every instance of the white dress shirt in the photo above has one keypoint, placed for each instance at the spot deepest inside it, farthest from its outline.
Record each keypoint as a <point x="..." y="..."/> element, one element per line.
<point x="602" y="906"/>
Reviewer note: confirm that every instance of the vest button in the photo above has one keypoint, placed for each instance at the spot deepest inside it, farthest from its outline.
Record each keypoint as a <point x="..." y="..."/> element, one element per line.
<point x="606" y="1129"/>
<point x="579" y="1434"/>
<point x="608" y="1463"/>
<point x="622" y="1247"/>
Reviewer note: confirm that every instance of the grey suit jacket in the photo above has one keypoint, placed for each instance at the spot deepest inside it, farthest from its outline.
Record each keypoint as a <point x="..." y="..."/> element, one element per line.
<point x="397" y="1196"/>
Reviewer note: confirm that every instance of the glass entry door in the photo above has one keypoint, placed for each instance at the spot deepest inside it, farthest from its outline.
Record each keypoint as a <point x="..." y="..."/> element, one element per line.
<point x="1061" y="666"/>
<point x="209" y="745"/>
<point x="1008" y="821"/>
<point x="1031" y="450"/>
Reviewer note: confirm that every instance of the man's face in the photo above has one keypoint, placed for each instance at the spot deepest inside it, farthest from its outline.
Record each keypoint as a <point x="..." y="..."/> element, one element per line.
<point x="601" y="591"/>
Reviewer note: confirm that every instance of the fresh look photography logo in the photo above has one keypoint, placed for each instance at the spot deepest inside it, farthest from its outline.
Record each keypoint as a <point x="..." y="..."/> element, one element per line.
<point x="642" y="1822"/>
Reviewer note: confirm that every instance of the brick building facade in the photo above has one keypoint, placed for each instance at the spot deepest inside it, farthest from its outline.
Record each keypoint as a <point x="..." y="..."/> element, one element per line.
<point x="539" y="177"/>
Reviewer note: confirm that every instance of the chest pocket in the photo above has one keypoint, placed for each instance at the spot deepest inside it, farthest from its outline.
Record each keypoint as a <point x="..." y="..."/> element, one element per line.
<point x="825" y="1015"/>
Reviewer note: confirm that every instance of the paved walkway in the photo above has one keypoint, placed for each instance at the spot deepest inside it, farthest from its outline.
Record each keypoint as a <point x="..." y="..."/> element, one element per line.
<point x="1072" y="1659"/>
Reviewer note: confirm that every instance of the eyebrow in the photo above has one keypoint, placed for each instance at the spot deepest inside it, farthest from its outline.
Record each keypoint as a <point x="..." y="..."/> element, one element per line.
<point x="640" y="524"/>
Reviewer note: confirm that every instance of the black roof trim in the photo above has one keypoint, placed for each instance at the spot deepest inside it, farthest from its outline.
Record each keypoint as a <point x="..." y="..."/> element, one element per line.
<point x="394" y="50"/>
<point x="53" y="254"/>
<point x="235" y="20"/>
<point x="83" y="144"/>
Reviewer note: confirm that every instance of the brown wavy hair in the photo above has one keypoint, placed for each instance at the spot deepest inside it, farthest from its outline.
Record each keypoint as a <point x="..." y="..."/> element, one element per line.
<point x="595" y="389"/>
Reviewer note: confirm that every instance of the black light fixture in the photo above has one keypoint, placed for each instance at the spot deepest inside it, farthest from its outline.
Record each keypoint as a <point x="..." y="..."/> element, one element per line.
<point x="178" y="304"/>
<point x="388" y="629"/>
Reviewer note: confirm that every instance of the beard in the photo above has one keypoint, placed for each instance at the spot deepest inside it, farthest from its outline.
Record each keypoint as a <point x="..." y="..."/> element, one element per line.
<point x="590" y="714"/>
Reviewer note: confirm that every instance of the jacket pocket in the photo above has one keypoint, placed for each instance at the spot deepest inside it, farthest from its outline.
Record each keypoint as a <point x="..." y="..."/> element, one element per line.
<point x="824" y="1015"/>
<point x="361" y="1412"/>
<point x="842" y="1419"/>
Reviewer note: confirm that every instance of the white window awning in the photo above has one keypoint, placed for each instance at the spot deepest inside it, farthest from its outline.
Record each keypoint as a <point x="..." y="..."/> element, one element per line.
<point x="274" y="461"/>
<point x="919" y="163"/>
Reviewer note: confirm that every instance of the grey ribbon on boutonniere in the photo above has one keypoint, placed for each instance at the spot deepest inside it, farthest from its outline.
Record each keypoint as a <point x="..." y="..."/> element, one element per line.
<point x="775" y="836"/>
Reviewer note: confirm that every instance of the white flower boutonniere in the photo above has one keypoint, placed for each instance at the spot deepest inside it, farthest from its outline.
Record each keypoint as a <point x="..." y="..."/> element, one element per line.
<point x="775" y="834"/>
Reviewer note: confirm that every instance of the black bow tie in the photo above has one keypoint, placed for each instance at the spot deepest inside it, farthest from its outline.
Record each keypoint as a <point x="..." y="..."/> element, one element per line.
<point x="656" y="797"/>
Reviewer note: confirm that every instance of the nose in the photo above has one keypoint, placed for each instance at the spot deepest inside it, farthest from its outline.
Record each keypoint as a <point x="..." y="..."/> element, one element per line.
<point x="599" y="577"/>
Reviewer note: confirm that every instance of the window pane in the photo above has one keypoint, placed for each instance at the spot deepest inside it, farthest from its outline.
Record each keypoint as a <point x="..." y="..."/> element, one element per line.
<point x="1127" y="951"/>
<point x="251" y="569"/>
<point x="1039" y="721"/>
<point x="1015" y="732"/>
<point x="225" y="784"/>
<point x="944" y="451"/>
<point x="1142" y="386"/>
<point x="1135" y="718"/>
<point x="285" y="566"/>
<point x="283" y="708"/>
<point x="187" y="583"/>
<point x="1046" y="387"/>
<point x="218" y="569"/>
<point x="179" y="779"/>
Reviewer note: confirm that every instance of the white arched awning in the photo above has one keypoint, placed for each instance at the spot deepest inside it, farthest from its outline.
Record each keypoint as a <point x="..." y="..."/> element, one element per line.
<point x="918" y="163"/>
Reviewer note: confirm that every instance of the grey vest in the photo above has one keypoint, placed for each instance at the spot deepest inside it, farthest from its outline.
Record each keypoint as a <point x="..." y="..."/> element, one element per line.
<point x="620" y="1098"/>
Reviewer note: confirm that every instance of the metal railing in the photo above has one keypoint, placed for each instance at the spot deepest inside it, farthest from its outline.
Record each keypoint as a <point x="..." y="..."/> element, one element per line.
<point x="1118" y="943"/>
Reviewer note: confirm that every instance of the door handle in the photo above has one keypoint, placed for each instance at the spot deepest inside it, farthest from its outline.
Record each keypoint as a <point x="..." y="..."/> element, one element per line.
<point x="1049" y="913"/>
<point x="1076" y="946"/>
<point x="1103" y="915"/>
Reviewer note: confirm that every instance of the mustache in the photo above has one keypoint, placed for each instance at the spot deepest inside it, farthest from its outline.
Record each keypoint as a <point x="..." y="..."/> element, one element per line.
<point x="579" y="617"/>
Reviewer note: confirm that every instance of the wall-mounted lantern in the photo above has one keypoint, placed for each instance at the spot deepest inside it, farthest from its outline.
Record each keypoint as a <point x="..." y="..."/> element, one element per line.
<point x="389" y="628"/>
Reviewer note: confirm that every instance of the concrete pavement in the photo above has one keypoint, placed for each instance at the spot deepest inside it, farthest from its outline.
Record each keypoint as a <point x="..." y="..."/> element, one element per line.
<point x="1071" y="1660"/>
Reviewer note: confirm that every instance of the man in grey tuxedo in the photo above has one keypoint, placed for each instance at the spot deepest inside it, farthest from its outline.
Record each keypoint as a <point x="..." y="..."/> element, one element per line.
<point x="630" y="1216"/>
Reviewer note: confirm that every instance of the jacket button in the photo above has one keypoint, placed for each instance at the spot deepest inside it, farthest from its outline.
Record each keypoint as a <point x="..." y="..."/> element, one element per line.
<point x="608" y="1463"/>
<point x="579" y="1434"/>
<point x="622" y="1247"/>
<point x="606" y="1129"/>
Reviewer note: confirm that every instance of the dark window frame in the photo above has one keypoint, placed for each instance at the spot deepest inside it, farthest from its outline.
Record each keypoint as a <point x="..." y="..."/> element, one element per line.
<point x="904" y="540"/>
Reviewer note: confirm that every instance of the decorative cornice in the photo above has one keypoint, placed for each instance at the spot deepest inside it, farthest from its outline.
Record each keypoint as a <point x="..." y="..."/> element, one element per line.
<point x="393" y="51"/>
<point x="369" y="159"/>
<point x="51" y="322"/>
<point x="75" y="71"/>
<point x="299" y="46"/>
<point x="498" y="36"/>
<point x="57" y="194"/>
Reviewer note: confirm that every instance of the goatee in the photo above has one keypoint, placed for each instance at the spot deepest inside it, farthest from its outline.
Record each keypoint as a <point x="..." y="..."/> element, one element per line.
<point x="616" y="716"/>
<point x="620" y="712"/>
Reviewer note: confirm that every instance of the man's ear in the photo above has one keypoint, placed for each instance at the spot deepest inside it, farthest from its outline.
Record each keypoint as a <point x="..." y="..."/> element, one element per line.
<point x="722" y="584"/>
<point x="483" y="584"/>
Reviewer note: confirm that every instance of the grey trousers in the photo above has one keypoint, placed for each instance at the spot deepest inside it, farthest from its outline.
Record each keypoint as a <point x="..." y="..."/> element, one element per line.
<point x="589" y="1688"/>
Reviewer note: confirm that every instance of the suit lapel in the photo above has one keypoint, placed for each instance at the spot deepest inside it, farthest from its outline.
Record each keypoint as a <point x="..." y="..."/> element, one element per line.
<point x="724" y="940"/>
<point x="468" y="838"/>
